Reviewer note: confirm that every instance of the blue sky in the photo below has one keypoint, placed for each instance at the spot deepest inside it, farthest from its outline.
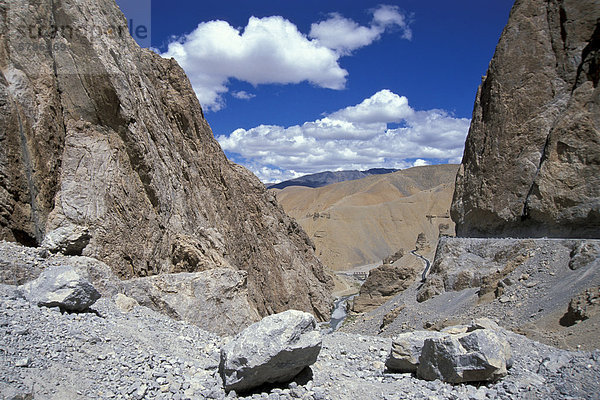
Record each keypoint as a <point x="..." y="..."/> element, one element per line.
<point x="295" y="87"/>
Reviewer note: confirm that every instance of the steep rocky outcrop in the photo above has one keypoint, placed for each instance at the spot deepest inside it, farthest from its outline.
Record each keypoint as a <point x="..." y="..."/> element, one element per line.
<point x="383" y="282"/>
<point x="531" y="165"/>
<point x="101" y="137"/>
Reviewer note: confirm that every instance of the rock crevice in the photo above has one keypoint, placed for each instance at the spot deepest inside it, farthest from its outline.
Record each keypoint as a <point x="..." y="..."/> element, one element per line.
<point x="530" y="166"/>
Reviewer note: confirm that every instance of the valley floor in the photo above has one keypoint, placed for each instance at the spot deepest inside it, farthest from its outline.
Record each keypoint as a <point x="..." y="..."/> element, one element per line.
<point x="111" y="354"/>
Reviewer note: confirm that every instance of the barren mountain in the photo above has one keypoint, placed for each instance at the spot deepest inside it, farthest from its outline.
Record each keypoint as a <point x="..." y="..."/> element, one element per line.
<point x="361" y="222"/>
<point x="105" y="153"/>
<point x="531" y="166"/>
<point x="321" y="179"/>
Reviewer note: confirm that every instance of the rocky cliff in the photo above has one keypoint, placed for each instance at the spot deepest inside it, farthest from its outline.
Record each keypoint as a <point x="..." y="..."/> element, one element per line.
<point x="105" y="152"/>
<point x="531" y="165"/>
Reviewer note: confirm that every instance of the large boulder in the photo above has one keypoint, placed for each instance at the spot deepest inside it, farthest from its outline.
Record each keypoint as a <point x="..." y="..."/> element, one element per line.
<point x="273" y="350"/>
<point x="406" y="350"/>
<point x="583" y="306"/>
<point x="478" y="356"/>
<point x="61" y="286"/>
<point x="382" y="283"/>
<point x="407" y="347"/>
<point x="215" y="300"/>
<point x="531" y="166"/>
<point x="69" y="240"/>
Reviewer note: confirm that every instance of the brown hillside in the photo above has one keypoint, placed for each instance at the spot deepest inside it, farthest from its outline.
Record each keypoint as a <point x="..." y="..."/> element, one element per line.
<point x="360" y="222"/>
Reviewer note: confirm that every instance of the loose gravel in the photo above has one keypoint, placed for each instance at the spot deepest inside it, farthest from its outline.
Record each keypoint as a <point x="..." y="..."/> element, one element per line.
<point x="110" y="354"/>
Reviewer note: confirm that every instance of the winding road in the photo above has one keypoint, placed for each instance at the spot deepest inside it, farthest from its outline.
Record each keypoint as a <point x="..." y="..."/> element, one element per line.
<point x="427" y="264"/>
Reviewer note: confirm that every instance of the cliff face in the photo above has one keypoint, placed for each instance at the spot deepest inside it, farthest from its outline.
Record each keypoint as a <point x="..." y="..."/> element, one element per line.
<point x="107" y="142"/>
<point x="531" y="165"/>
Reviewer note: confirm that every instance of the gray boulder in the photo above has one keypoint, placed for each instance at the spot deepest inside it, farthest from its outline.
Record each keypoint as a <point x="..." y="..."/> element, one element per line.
<point x="69" y="240"/>
<point x="473" y="357"/>
<point x="61" y="286"/>
<point x="275" y="349"/>
<point x="406" y="350"/>
<point x="215" y="300"/>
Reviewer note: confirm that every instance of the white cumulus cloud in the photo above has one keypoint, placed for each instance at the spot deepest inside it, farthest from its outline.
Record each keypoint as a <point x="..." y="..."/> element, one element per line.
<point x="272" y="50"/>
<point x="243" y="95"/>
<point x="267" y="50"/>
<point x="344" y="35"/>
<point x="355" y="137"/>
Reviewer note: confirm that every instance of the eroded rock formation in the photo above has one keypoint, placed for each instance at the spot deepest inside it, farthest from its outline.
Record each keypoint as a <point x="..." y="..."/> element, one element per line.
<point x="531" y="165"/>
<point x="103" y="137"/>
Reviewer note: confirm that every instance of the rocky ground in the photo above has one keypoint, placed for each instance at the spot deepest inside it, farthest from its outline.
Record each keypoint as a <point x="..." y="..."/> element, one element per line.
<point x="525" y="285"/>
<point x="108" y="353"/>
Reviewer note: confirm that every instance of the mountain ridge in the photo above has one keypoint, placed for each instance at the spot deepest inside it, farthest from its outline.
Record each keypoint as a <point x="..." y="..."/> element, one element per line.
<point x="325" y="178"/>
<point x="362" y="221"/>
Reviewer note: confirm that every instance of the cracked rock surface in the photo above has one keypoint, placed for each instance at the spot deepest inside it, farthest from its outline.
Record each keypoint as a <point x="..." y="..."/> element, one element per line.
<point x="105" y="153"/>
<point x="531" y="165"/>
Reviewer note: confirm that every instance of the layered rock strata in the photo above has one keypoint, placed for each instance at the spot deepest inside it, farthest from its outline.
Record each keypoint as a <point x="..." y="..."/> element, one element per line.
<point x="105" y="152"/>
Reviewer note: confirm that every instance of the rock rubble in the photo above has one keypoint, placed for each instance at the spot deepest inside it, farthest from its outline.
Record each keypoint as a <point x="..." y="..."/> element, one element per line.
<point x="111" y="354"/>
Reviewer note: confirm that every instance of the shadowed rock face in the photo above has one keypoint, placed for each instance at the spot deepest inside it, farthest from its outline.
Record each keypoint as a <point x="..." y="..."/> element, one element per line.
<point x="100" y="134"/>
<point x="531" y="165"/>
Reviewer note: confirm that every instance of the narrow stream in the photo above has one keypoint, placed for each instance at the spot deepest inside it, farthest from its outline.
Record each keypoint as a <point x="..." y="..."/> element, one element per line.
<point x="339" y="311"/>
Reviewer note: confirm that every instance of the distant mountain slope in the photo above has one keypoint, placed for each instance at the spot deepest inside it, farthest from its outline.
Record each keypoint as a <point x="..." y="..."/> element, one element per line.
<point x="362" y="221"/>
<point x="328" y="177"/>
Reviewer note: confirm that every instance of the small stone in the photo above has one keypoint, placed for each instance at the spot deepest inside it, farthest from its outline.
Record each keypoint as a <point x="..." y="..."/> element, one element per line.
<point x="174" y="387"/>
<point x="125" y="303"/>
<point x="455" y="330"/>
<point x="378" y="365"/>
<point x="23" y="362"/>
<point x="20" y="330"/>
<point x="141" y="391"/>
